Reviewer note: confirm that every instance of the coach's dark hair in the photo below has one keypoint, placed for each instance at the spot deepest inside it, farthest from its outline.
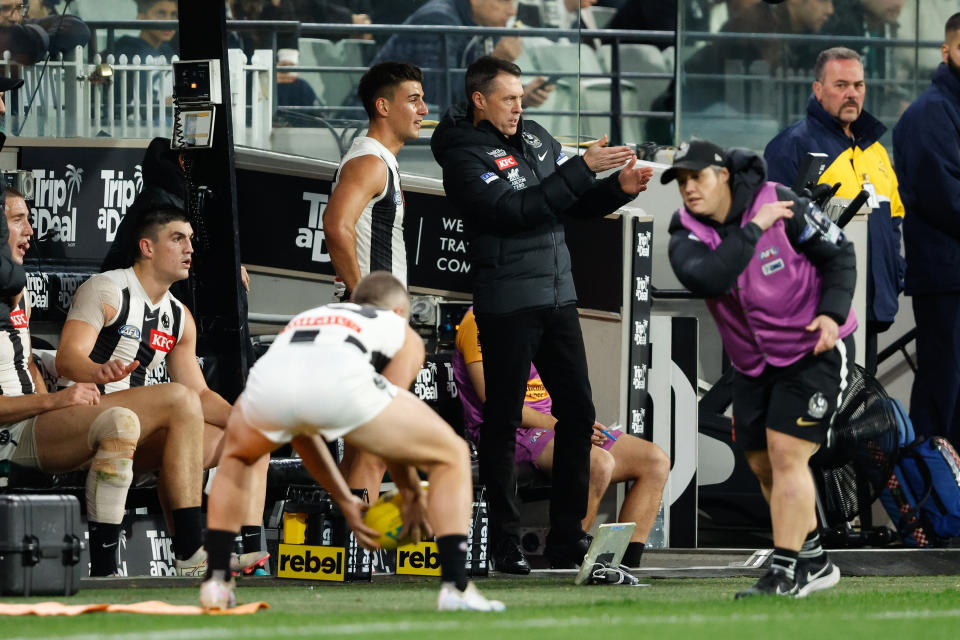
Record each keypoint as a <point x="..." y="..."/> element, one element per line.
<point x="150" y="223"/>
<point x="953" y="24"/>
<point x="381" y="289"/>
<point x="481" y="73"/>
<point x="833" y="53"/>
<point x="381" y="79"/>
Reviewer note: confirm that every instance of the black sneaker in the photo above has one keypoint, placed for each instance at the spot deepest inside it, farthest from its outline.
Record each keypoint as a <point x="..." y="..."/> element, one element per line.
<point x="774" y="583"/>
<point x="816" y="574"/>
<point x="508" y="557"/>
<point x="569" y="555"/>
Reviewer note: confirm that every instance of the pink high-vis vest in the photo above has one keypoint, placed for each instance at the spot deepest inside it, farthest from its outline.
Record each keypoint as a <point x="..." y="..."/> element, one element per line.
<point x="762" y="319"/>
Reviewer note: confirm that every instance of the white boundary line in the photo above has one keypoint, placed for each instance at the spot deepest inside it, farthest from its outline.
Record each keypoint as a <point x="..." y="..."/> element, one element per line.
<point x="394" y="627"/>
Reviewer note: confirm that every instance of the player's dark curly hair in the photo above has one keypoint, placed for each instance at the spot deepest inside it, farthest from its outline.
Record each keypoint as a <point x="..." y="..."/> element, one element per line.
<point x="380" y="80"/>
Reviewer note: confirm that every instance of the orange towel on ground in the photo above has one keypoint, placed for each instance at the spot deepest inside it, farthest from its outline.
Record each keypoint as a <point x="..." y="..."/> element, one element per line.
<point x="155" y="607"/>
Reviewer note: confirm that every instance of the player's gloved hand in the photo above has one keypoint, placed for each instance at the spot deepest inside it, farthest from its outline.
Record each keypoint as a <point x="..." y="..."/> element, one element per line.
<point x="416" y="527"/>
<point x="353" y="509"/>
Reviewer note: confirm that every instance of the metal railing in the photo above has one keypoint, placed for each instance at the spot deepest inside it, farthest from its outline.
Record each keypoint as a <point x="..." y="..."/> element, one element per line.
<point x="69" y="96"/>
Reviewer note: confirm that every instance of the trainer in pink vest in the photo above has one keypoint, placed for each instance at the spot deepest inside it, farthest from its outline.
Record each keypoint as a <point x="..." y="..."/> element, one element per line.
<point x="763" y="318"/>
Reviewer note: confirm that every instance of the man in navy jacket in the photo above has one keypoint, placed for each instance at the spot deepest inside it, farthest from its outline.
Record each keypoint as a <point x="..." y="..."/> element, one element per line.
<point x="926" y="143"/>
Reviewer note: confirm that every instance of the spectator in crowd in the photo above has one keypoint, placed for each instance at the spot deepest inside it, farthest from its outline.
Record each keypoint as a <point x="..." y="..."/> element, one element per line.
<point x="29" y="39"/>
<point x="150" y="42"/>
<point x="646" y="16"/>
<point x="426" y="50"/>
<point x="837" y="124"/>
<point x="292" y="90"/>
<point x="924" y="25"/>
<point x="760" y="22"/>
<point x="740" y="242"/>
<point x="878" y="20"/>
<point x="340" y="11"/>
<point x="925" y="144"/>
<point x="614" y="456"/>
<point x="514" y="187"/>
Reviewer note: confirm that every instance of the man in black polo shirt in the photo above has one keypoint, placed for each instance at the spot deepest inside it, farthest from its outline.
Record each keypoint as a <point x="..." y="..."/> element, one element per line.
<point x="514" y="187"/>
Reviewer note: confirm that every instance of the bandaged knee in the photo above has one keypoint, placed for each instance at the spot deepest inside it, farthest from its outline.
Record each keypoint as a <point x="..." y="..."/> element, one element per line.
<point x="113" y="437"/>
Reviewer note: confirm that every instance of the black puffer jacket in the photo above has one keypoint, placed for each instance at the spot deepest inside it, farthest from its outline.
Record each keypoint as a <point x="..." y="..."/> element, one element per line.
<point x="513" y="194"/>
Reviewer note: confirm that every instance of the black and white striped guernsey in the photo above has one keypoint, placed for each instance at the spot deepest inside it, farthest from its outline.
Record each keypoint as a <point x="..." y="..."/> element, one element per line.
<point x="140" y="331"/>
<point x="15" y="379"/>
<point x="380" y="227"/>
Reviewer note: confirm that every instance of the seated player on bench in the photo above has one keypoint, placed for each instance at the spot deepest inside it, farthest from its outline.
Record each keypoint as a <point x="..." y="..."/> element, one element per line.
<point x="113" y="436"/>
<point x="619" y="458"/>
<point x="125" y="323"/>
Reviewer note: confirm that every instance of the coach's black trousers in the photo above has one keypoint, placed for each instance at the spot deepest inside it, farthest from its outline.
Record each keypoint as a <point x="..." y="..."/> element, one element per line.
<point x="552" y="339"/>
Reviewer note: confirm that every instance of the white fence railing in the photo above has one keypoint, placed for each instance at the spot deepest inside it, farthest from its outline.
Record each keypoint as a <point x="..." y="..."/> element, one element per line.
<point x="59" y="98"/>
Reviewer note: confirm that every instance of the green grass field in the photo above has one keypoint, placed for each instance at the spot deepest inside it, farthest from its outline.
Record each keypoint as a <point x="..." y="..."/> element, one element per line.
<point x="548" y="608"/>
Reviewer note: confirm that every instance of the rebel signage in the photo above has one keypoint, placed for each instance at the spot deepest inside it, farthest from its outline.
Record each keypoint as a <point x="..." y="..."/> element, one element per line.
<point x="419" y="559"/>
<point x="80" y="196"/>
<point x="307" y="562"/>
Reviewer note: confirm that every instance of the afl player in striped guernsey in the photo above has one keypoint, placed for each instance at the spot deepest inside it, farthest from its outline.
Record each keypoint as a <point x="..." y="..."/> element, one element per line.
<point x="115" y="435"/>
<point x="363" y="221"/>
<point x="124" y="323"/>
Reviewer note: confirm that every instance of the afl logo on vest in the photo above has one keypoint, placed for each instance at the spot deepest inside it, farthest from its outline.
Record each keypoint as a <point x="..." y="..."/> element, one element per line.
<point x="162" y="341"/>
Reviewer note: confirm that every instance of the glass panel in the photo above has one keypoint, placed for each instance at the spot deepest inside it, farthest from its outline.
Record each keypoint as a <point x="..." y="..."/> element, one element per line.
<point x="746" y="67"/>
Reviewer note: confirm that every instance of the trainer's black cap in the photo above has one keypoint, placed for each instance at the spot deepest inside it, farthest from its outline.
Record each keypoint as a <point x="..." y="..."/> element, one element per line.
<point x="695" y="155"/>
<point x="9" y="84"/>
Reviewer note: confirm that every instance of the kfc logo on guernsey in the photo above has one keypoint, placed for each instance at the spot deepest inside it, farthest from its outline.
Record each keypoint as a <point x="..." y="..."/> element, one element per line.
<point x="506" y="163"/>
<point x="118" y="194"/>
<point x="54" y="218"/>
<point x="18" y="319"/>
<point x="312" y="236"/>
<point x="162" y="341"/>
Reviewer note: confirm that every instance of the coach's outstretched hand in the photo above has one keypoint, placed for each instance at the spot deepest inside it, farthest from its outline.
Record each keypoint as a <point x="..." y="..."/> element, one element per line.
<point x="634" y="179"/>
<point x="353" y="509"/>
<point x="599" y="157"/>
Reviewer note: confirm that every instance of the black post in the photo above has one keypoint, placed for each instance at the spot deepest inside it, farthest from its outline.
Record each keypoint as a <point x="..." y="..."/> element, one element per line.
<point x="221" y="302"/>
<point x="616" y="100"/>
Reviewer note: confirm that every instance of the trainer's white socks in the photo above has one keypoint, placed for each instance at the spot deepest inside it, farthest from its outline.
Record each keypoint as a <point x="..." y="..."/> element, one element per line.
<point x="452" y="599"/>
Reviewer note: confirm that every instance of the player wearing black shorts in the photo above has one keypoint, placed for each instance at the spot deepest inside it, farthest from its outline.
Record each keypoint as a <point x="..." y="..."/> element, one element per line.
<point x="778" y="279"/>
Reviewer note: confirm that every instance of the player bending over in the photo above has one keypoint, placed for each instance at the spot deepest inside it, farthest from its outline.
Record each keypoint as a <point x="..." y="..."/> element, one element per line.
<point x="342" y="370"/>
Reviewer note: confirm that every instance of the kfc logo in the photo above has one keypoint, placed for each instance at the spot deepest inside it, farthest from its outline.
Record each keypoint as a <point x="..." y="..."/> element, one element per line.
<point x="18" y="319"/>
<point x="506" y="163"/>
<point x="161" y="341"/>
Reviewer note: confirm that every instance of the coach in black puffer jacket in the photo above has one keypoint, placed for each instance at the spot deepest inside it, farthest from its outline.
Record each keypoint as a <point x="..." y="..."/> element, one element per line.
<point x="513" y="194"/>
<point x="514" y="186"/>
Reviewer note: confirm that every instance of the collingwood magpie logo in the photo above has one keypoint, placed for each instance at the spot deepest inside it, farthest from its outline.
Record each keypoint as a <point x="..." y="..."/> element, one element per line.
<point x="532" y="140"/>
<point x="165" y="320"/>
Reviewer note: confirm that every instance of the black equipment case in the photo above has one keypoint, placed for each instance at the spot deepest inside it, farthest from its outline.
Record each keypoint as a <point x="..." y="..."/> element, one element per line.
<point x="40" y="542"/>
